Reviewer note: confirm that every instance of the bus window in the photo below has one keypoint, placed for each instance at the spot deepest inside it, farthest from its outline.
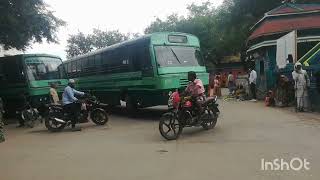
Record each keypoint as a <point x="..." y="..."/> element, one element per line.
<point x="84" y="63"/>
<point x="105" y="57"/>
<point x="97" y="60"/>
<point x="44" y="68"/>
<point x="61" y="69"/>
<point x="73" y="66"/>
<point x="66" y="67"/>
<point x="140" y="57"/>
<point x="2" y="75"/>
<point x="91" y="61"/>
<point x="69" y="68"/>
<point x="173" y="56"/>
<point x="78" y="65"/>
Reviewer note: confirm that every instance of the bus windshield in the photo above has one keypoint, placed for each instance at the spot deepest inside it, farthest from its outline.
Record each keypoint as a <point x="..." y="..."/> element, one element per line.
<point x="173" y="56"/>
<point x="44" y="68"/>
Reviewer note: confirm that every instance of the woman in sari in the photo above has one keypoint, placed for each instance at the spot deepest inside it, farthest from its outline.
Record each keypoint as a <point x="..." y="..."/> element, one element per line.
<point x="217" y="86"/>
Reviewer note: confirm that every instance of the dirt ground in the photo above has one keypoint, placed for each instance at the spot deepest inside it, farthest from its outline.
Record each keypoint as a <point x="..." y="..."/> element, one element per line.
<point x="133" y="149"/>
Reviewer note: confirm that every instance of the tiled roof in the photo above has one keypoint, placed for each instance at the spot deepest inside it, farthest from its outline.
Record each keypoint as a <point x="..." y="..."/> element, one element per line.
<point x="294" y="8"/>
<point x="286" y="18"/>
<point x="274" y="26"/>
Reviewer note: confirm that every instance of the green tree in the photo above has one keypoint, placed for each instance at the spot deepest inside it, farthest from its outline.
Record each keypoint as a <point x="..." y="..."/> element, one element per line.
<point x="222" y="31"/>
<point x="23" y="22"/>
<point x="200" y="22"/>
<point x="80" y="43"/>
<point x="102" y="39"/>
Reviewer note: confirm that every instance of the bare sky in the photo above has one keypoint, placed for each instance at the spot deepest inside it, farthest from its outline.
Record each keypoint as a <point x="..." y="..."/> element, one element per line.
<point x="125" y="15"/>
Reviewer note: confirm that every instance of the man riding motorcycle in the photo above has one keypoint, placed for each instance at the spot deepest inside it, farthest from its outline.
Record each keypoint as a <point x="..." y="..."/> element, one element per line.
<point x="196" y="89"/>
<point x="70" y="104"/>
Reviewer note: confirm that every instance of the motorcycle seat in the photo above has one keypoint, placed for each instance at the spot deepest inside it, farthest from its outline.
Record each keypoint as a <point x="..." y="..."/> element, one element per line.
<point x="56" y="106"/>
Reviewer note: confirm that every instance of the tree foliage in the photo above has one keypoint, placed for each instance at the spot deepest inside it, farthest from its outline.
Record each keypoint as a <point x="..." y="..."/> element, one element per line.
<point x="80" y="43"/>
<point x="223" y="30"/>
<point x="25" y="21"/>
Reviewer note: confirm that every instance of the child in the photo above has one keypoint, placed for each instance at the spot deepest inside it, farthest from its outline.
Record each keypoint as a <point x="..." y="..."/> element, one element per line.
<point x="53" y="94"/>
<point x="240" y="93"/>
<point x="269" y="99"/>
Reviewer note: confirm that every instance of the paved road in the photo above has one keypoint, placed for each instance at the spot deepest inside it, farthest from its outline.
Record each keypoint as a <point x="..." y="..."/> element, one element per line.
<point x="133" y="149"/>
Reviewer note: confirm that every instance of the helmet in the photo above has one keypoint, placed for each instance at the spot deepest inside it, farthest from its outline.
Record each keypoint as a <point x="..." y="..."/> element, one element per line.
<point x="72" y="81"/>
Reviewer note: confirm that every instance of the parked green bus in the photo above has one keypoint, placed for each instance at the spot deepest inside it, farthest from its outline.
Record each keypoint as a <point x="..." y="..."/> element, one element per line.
<point x="141" y="72"/>
<point x="27" y="77"/>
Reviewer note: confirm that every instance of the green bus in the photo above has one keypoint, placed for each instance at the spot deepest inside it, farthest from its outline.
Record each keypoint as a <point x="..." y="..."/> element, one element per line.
<point x="141" y="72"/>
<point x="27" y="77"/>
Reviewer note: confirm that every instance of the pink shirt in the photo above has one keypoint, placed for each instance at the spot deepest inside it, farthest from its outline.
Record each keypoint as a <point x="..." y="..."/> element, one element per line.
<point x="216" y="83"/>
<point x="196" y="88"/>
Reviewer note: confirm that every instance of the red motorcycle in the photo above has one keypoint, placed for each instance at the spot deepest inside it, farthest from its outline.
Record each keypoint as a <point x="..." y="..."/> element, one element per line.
<point x="184" y="113"/>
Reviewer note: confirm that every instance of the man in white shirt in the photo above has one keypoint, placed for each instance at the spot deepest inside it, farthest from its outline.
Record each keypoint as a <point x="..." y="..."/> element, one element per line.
<point x="231" y="83"/>
<point x="253" y="82"/>
<point x="301" y="86"/>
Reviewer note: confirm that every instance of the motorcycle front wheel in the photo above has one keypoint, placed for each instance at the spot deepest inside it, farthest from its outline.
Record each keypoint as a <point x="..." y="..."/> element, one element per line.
<point x="99" y="117"/>
<point x="169" y="126"/>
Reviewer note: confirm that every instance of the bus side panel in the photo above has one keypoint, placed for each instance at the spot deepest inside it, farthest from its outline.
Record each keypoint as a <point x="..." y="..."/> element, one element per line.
<point x="13" y="82"/>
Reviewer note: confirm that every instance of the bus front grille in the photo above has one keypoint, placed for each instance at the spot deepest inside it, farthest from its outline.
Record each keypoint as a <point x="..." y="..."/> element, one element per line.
<point x="184" y="82"/>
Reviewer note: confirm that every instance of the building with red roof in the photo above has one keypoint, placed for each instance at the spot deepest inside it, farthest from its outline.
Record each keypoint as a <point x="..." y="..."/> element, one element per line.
<point x="262" y="41"/>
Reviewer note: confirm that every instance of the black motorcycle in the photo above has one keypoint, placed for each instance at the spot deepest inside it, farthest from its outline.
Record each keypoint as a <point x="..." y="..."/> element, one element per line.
<point x="58" y="118"/>
<point x="184" y="113"/>
<point x="29" y="115"/>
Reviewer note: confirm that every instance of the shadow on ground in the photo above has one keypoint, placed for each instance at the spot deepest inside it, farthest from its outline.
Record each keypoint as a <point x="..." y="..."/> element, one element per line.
<point x="145" y="114"/>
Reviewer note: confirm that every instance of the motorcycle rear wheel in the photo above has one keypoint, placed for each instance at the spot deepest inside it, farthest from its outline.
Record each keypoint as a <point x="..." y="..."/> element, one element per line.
<point x="169" y="126"/>
<point x="53" y="125"/>
<point x="209" y="120"/>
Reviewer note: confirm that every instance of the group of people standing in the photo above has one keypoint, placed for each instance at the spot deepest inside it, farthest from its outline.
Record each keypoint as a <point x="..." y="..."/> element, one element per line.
<point x="215" y="84"/>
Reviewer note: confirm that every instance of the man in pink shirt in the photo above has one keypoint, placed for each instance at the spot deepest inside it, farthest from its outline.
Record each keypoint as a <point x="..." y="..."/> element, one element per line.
<point x="195" y="89"/>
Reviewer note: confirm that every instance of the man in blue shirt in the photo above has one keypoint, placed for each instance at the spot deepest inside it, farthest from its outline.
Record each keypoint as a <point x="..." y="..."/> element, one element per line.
<point x="70" y="104"/>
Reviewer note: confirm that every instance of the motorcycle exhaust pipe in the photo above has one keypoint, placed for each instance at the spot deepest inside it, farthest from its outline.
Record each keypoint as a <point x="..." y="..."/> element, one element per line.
<point x="59" y="120"/>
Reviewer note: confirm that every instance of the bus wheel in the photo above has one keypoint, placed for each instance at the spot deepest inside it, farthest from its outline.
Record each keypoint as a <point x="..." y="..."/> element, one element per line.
<point x="131" y="105"/>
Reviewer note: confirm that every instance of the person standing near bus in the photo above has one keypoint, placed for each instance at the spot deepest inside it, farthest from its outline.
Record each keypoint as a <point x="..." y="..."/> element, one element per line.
<point x="301" y="85"/>
<point x="231" y="83"/>
<point x="253" y="82"/>
<point x="211" y="85"/>
<point x="217" y="86"/>
<point x="53" y="94"/>
<point x="70" y="103"/>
